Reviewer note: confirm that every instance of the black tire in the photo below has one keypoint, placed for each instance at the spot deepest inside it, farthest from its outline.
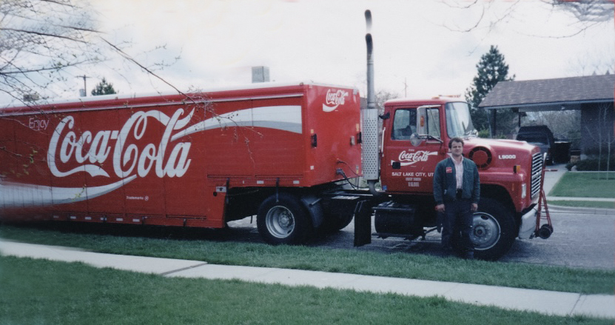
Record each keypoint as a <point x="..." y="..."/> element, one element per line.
<point x="282" y="219"/>
<point x="493" y="232"/>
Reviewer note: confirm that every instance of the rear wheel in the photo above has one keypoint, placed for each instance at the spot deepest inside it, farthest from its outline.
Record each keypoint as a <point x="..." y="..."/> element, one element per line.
<point x="493" y="231"/>
<point x="282" y="219"/>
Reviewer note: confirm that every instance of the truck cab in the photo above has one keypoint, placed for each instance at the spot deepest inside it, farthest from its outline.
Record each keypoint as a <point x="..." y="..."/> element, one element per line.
<point x="415" y="138"/>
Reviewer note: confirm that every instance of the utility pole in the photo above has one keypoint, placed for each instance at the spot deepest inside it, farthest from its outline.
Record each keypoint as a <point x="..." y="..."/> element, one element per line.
<point x="84" y="93"/>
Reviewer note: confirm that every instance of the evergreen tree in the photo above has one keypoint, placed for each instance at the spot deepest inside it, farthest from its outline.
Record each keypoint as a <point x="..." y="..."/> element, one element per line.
<point x="103" y="88"/>
<point x="492" y="68"/>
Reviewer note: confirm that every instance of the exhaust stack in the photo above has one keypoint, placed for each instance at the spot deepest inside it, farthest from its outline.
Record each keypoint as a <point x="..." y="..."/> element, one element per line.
<point x="370" y="117"/>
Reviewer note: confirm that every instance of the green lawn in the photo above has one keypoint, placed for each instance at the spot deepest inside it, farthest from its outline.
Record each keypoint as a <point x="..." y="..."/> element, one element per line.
<point x="219" y="248"/>
<point x="45" y="292"/>
<point x="585" y="184"/>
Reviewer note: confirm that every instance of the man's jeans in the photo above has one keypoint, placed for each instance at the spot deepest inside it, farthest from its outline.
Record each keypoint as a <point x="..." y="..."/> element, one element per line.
<point x="457" y="222"/>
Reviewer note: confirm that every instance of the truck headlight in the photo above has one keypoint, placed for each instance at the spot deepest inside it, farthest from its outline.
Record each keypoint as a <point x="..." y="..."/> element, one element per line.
<point x="523" y="191"/>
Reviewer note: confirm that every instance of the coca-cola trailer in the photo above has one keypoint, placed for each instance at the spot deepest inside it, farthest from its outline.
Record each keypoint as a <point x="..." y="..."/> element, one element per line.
<point x="197" y="160"/>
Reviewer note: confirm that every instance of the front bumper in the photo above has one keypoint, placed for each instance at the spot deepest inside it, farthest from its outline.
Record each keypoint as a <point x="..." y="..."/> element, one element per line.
<point x="527" y="228"/>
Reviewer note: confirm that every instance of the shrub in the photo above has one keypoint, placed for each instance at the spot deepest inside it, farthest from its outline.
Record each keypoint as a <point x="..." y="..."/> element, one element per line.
<point x="591" y="164"/>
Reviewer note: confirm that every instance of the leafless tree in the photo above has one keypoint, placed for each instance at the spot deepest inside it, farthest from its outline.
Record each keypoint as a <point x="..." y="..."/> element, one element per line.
<point x="591" y="64"/>
<point x="41" y="41"/>
<point x="46" y="44"/>
<point x="587" y="13"/>
<point x="602" y="134"/>
<point x="608" y="138"/>
<point x="586" y="10"/>
<point x="566" y="124"/>
<point x="382" y="96"/>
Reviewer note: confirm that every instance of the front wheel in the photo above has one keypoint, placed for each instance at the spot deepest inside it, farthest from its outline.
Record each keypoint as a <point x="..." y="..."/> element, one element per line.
<point x="282" y="219"/>
<point x="493" y="231"/>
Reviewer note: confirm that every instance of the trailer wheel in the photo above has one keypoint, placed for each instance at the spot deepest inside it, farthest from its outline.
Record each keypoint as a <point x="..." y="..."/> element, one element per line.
<point x="283" y="220"/>
<point x="493" y="230"/>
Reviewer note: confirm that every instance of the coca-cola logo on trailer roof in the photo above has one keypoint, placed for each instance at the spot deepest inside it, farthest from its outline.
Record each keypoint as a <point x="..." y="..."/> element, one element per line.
<point x="334" y="99"/>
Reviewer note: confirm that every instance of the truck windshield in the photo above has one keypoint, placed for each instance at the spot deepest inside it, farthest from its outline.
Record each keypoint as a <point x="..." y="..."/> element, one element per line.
<point x="458" y="120"/>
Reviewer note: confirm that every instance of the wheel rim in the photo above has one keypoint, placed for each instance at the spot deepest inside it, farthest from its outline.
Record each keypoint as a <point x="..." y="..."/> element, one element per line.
<point x="486" y="231"/>
<point x="280" y="221"/>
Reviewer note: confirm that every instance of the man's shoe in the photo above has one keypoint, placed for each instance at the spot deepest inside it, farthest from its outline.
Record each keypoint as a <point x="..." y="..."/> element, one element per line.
<point x="469" y="256"/>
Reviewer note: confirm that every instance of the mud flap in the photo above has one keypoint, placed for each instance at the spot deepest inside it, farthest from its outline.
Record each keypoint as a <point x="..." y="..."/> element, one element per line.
<point x="363" y="223"/>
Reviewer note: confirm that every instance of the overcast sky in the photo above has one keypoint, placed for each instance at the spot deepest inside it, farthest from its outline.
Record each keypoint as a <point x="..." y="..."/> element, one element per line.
<point x="419" y="48"/>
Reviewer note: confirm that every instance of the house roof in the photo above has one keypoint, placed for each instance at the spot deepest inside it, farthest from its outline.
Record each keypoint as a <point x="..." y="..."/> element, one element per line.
<point x="577" y="90"/>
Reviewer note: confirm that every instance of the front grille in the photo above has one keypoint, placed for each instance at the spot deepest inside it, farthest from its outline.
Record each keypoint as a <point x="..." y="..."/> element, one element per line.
<point x="537" y="163"/>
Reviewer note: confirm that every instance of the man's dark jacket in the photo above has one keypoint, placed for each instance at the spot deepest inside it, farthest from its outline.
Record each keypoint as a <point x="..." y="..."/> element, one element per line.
<point x="445" y="183"/>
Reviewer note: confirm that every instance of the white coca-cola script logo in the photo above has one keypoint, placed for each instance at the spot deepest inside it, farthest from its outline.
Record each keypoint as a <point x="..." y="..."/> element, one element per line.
<point x="128" y="159"/>
<point x="334" y="99"/>
<point x="410" y="158"/>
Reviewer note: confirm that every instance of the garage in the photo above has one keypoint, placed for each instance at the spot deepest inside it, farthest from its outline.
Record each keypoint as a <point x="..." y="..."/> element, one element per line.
<point x="586" y="103"/>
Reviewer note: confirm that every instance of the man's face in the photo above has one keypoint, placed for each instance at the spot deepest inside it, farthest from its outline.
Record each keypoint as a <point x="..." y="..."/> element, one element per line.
<point x="456" y="149"/>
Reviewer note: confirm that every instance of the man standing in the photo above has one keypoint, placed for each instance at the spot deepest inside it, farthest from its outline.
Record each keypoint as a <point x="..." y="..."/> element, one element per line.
<point x="456" y="189"/>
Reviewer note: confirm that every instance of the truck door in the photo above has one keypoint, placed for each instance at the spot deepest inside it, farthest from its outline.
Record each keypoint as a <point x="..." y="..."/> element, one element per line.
<point x="413" y="147"/>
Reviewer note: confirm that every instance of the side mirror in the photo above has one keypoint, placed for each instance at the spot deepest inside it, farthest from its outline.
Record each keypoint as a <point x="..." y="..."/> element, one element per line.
<point x="415" y="139"/>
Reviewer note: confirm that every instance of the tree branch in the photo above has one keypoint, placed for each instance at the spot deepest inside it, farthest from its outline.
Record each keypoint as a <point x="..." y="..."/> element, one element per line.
<point x="129" y="58"/>
<point x="42" y="34"/>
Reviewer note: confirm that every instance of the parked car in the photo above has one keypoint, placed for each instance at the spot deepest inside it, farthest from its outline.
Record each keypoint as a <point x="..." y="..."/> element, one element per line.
<point x="541" y="136"/>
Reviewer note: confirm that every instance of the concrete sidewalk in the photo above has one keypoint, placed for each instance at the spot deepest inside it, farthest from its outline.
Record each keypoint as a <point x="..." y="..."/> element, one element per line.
<point x="552" y="176"/>
<point x="545" y="302"/>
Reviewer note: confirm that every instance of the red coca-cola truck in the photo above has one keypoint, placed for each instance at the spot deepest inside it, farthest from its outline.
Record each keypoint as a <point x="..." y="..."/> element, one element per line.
<point x="279" y="152"/>
<point x="284" y="153"/>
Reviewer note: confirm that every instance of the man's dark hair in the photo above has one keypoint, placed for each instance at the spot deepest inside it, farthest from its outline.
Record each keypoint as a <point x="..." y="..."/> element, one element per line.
<point x="457" y="139"/>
